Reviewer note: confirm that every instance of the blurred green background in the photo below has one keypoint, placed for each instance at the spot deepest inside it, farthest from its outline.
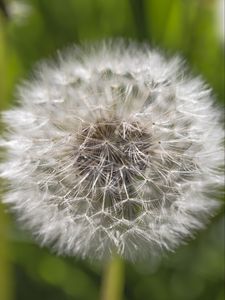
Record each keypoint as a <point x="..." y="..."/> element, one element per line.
<point x="35" y="29"/>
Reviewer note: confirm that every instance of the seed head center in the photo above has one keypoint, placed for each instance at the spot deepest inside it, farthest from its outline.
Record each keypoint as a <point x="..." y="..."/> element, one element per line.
<point x="112" y="153"/>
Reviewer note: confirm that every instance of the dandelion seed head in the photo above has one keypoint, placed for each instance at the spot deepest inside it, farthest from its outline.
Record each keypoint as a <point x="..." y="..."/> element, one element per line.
<point x="113" y="149"/>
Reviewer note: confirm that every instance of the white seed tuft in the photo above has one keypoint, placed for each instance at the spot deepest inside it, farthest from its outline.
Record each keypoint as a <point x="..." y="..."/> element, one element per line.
<point x="113" y="150"/>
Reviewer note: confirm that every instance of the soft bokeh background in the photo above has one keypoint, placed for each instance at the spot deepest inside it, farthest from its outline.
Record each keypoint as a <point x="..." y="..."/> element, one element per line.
<point x="34" y="29"/>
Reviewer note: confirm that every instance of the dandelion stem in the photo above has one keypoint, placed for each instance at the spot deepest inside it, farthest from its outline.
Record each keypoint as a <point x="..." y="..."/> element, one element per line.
<point x="113" y="279"/>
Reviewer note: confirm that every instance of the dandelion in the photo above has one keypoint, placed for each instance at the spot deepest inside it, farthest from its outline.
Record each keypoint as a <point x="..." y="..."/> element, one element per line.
<point x="113" y="149"/>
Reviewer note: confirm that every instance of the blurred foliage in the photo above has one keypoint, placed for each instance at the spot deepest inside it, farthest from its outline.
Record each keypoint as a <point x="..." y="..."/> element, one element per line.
<point x="34" y="29"/>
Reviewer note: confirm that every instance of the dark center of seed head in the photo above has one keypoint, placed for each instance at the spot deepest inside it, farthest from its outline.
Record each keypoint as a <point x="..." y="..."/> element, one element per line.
<point x="111" y="159"/>
<point x="112" y="153"/>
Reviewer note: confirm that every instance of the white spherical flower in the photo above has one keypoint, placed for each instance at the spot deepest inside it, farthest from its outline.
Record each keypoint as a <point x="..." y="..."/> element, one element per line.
<point x="113" y="150"/>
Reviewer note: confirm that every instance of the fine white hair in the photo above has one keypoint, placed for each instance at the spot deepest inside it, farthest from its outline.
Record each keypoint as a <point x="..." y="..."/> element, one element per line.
<point x="112" y="148"/>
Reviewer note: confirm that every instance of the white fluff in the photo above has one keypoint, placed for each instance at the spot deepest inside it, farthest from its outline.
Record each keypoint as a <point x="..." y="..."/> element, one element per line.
<point x="113" y="149"/>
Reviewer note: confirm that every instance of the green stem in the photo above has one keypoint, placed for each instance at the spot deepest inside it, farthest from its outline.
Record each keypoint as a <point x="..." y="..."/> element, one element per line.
<point x="113" y="280"/>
